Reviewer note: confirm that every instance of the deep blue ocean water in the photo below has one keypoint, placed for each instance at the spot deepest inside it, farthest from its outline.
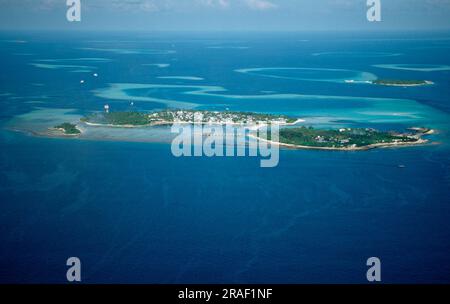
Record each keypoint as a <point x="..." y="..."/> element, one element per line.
<point x="133" y="213"/>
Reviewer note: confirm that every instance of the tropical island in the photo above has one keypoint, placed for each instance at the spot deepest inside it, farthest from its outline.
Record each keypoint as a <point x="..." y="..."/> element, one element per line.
<point x="290" y="135"/>
<point x="68" y="129"/>
<point x="402" y="83"/>
<point x="347" y="139"/>
<point x="168" y="117"/>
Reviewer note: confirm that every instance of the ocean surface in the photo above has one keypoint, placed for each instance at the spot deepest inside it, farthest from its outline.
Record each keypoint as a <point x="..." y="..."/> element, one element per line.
<point x="134" y="213"/>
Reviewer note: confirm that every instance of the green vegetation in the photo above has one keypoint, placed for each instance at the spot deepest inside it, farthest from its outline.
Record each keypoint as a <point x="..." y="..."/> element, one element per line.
<point x="343" y="138"/>
<point x="185" y="116"/>
<point x="68" y="128"/>
<point x="398" y="82"/>
<point x="127" y="118"/>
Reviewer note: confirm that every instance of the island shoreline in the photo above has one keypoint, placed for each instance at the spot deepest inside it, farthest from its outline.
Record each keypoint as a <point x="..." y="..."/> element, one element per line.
<point x="419" y="142"/>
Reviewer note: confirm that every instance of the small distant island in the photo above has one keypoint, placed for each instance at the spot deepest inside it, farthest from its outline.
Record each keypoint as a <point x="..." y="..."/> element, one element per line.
<point x="68" y="129"/>
<point x="402" y="83"/>
<point x="347" y="139"/>
<point x="167" y="117"/>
